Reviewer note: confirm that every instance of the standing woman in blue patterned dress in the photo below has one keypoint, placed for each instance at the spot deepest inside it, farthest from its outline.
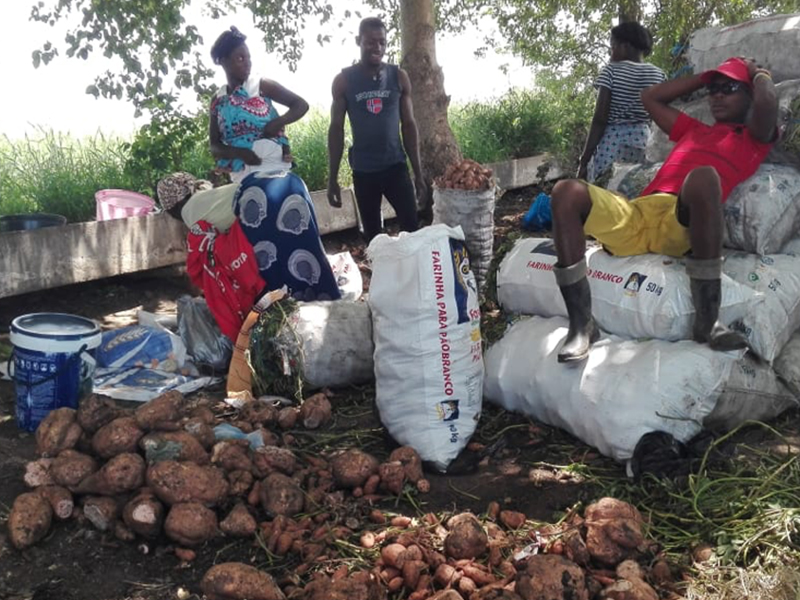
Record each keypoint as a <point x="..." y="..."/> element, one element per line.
<point x="245" y="130"/>
<point x="272" y="204"/>
<point x="620" y="126"/>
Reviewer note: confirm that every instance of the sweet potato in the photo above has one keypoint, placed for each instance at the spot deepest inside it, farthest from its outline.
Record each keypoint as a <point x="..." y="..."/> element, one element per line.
<point x="259" y="413"/>
<point x="37" y="473"/>
<point x="446" y="595"/>
<point x="204" y="414"/>
<point x="29" y="520"/>
<point x="201" y="430"/>
<point x="238" y="581"/>
<point x="232" y="455"/>
<point x="122" y="532"/>
<point x="512" y="519"/>
<point x="185" y="555"/>
<point x="411" y="461"/>
<point x="60" y="499"/>
<point x="162" y="412"/>
<point x="190" y="524"/>
<point x="269" y="459"/>
<point x="613" y="531"/>
<point x="551" y="577"/>
<point x="631" y="586"/>
<point x="144" y="514"/>
<point x="353" y="467"/>
<point x="96" y="411"/>
<point x="287" y="417"/>
<point x="175" y="482"/>
<point x="173" y="445"/>
<point x="71" y="467"/>
<point x="240" y="482"/>
<point x="281" y="495"/>
<point x="393" y="476"/>
<point x="239" y="522"/>
<point x="118" y="436"/>
<point x="466" y="537"/>
<point x="123" y="473"/>
<point x="101" y="511"/>
<point x="58" y="431"/>
<point x="358" y="586"/>
<point x="412" y="571"/>
<point x="315" y="411"/>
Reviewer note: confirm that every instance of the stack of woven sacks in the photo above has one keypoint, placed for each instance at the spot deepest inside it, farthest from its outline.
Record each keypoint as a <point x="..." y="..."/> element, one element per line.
<point x="640" y="377"/>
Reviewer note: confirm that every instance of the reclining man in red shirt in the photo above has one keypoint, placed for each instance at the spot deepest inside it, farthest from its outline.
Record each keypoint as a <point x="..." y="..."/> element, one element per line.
<point x="680" y="213"/>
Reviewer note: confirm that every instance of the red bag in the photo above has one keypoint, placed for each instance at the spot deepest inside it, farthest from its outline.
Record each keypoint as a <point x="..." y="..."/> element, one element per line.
<point x="224" y="266"/>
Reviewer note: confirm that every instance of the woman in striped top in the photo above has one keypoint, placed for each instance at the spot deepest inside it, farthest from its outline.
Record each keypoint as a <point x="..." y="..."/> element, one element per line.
<point x="620" y="126"/>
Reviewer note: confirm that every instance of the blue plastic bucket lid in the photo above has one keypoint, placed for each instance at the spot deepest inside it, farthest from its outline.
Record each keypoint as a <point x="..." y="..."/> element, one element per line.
<point x="54" y="332"/>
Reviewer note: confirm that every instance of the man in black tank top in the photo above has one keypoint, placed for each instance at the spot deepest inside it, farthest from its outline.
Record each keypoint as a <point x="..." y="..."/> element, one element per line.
<point x="377" y="98"/>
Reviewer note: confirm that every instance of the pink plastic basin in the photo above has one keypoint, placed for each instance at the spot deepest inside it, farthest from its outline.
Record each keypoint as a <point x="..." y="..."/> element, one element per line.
<point x="120" y="204"/>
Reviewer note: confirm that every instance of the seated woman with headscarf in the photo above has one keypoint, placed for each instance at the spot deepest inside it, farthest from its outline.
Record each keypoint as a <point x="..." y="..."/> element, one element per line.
<point x="247" y="239"/>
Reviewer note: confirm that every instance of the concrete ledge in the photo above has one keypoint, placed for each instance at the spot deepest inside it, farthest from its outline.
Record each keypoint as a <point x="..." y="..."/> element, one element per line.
<point x="48" y="258"/>
<point x="521" y="172"/>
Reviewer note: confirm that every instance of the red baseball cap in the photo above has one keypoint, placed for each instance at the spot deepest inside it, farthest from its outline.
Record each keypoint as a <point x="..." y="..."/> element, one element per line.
<point x="734" y="68"/>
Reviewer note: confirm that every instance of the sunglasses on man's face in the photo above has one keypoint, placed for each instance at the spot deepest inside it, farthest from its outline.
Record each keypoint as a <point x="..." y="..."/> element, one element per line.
<point x="727" y="88"/>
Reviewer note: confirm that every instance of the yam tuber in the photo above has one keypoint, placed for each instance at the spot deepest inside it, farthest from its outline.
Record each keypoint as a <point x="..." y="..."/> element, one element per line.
<point x="57" y="432"/>
<point x="71" y="467"/>
<point x="238" y="581"/>
<point x="190" y="524"/>
<point x="118" y="436"/>
<point x="162" y="412"/>
<point x="123" y="473"/>
<point x="29" y="520"/>
<point x="352" y="468"/>
<point x="175" y="482"/>
<point x="466" y="537"/>
<point x="144" y="514"/>
<point x="239" y="522"/>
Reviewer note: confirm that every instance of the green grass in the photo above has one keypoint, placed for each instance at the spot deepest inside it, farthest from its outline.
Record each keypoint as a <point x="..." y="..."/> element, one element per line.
<point x="56" y="173"/>
<point x="309" y="141"/>
<point x="53" y="172"/>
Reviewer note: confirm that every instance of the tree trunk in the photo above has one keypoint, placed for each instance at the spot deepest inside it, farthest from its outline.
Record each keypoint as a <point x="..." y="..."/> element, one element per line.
<point x="630" y="10"/>
<point x="437" y="144"/>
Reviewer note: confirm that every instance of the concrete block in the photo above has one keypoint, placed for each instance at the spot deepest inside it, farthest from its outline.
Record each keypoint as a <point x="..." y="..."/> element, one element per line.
<point x="55" y="256"/>
<point x="330" y="219"/>
<point x="520" y="172"/>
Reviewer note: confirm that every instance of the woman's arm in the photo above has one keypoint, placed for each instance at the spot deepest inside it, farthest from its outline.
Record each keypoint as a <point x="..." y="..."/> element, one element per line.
<point x="297" y="106"/>
<point x="220" y="150"/>
<point x="599" y="121"/>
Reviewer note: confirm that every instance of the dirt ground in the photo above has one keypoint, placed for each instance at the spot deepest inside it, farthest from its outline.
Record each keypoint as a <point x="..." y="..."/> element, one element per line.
<point x="522" y="465"/>
<point x="518" y="468"/>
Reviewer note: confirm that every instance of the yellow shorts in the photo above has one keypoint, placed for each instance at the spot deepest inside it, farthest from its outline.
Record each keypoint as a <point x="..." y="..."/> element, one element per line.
<point x="645" y="224"/>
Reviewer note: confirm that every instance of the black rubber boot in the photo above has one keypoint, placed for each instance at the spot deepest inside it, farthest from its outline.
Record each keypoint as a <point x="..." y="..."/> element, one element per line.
<point x="578" y="298"/>
<point x="706" y="288"/>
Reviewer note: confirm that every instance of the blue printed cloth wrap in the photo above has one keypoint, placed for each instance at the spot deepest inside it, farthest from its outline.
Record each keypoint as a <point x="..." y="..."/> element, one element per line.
<point x="277" y="217"/>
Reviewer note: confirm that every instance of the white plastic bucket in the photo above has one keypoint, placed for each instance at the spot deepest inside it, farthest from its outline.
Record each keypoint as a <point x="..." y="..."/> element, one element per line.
<point x="120" y="204"/>
<point x="53" y="361"/>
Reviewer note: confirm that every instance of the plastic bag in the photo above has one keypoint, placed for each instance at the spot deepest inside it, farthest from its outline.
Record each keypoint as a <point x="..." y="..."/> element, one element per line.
<point x="141" y="346"/>
<point x="347" y="275"/>
<point x="201" y="334"/>
<point x="539" y="216"/>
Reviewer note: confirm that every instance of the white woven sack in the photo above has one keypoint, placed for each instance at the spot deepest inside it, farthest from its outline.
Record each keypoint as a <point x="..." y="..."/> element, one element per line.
<point x="473" y="211"/>
<point x="334" y="340"/>
<point x="774" y="41"/>
<point x="426" y="322"/>
<point x="787" y="364"/>
<point x="623" y="390"/>
<point x="775" y="316"/>
<point x="763" y="213"/>
<point x="646" y="296"/>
